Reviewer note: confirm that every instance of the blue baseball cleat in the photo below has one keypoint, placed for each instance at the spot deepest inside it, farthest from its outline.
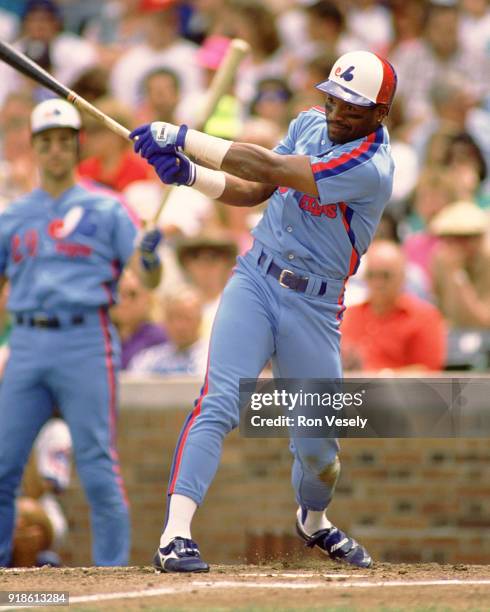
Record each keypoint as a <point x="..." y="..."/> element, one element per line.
<point x="180" y="555"/>
<point x="336" y="544"/>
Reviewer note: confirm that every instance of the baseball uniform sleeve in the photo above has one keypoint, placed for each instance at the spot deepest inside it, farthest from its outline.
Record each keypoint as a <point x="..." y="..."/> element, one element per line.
<point x="287" y="144"/>
<point x="350" y="173"/>
<point x="125" y="232"/>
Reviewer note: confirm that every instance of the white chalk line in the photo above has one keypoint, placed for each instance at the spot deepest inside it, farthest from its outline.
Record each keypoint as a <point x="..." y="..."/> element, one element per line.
<point x="341" y="583"/>
<point x="235" y="584"/>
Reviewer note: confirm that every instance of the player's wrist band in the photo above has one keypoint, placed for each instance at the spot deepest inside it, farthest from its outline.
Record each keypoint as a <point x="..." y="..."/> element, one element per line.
<point x="211" y="183"/>
<point x="207" y="149"/>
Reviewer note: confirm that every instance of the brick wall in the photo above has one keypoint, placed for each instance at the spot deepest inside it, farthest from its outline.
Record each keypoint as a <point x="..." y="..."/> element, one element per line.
<point x="406" y="500"/>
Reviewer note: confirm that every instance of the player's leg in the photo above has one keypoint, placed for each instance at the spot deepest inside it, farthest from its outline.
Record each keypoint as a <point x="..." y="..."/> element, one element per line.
<point x="25" y="405"/>
<point x="316" y="466"/>
<point x="316" y="338"/>
<point x="85" y="385"/>
<point x="242" y="342"/>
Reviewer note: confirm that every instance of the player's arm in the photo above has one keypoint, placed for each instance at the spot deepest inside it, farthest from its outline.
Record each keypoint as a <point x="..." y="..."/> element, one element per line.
<point x="146" y="262"/>
<point x="251" y="173"/>
<point x="178" y="169"/>
<point x="240" y="192"/>
<point x="288" y="170"/>
<point x="254" y="163"/>
<point x="150" y="268"/>
<point x="136" y="249"/>
<point x="150" y="278"/>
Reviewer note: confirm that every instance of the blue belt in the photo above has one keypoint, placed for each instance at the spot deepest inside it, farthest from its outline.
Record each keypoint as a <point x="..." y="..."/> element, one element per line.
<point x="288" y="278"/>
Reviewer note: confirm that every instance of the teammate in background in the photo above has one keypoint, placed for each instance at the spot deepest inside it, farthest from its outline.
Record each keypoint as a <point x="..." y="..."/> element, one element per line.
<point x="62" y="247"/>
<point x="329" y="181"/>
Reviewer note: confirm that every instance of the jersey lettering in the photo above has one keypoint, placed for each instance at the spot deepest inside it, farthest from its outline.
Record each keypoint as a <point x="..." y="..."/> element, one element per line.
<point x="15" y="248"/>
<point x="26" y="246"/>
<point x="311" y="205"/>
<point x="31" y="240"/>
<point x="71" y="249"/>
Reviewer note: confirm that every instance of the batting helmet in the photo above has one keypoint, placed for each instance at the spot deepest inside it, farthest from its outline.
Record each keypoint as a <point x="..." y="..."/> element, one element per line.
<point x="54" y="113"/>
<point x="362" y="78"/>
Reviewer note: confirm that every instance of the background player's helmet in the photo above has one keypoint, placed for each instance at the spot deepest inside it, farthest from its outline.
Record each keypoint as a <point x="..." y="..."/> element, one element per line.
<point x="362" y="78"/>
<point x="54" y="113"/>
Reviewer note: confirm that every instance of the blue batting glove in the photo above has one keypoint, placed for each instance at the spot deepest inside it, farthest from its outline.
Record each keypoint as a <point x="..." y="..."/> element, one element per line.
<point x="158" y="137"/>
<point x="174" y="168"/>
<point x="148" y="246"/>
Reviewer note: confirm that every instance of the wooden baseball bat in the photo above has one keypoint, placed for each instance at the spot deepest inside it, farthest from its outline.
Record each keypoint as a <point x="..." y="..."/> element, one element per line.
<point x="30" y="69"/>
<point x="220" y="84"/>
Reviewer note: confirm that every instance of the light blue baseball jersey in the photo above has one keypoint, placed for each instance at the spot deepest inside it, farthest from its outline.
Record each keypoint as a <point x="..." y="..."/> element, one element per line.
<point x="66" y="252"/>
<point x="328" y="235"/>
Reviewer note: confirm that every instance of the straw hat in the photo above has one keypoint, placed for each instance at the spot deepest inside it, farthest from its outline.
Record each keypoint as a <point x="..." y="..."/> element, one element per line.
<point x="218" y="241"/>
<point x="462" y="218"/>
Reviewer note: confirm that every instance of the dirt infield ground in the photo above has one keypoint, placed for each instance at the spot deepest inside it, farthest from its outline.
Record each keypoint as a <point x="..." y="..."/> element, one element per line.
<point x="314" y="586"/>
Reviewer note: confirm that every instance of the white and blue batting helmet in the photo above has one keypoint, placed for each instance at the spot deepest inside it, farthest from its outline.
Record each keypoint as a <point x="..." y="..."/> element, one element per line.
<point x="362" y="78"/>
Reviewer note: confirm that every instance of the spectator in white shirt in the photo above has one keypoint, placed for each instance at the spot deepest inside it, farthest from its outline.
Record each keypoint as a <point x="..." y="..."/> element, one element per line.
<point x="438" y="56"/>
<point x="162" y="47"/>
<point x="371" y="23"/>
<point x="474" y="28"/>
<point x="254" y="22"/>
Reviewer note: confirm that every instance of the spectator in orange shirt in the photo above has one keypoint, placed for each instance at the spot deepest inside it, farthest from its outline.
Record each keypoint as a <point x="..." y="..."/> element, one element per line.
<point x="392" y="329"/>
<point x="109" y="158"/>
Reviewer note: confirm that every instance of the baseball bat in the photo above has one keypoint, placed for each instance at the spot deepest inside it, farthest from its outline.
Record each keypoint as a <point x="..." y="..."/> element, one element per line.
<point x="16" y="59"/>
<point x="220" y="84"/>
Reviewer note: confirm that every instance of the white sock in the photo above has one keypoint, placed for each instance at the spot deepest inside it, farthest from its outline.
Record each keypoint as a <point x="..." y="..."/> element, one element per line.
<point x="315" y="521"/>
<point x="180" y="516"/>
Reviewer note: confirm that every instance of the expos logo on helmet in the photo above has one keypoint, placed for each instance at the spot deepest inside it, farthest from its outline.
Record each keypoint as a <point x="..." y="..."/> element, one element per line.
<point x="362" y="78"/>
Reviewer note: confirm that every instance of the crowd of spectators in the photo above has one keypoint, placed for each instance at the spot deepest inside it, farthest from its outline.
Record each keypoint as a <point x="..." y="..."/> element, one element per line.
<point x="427" y="279"/>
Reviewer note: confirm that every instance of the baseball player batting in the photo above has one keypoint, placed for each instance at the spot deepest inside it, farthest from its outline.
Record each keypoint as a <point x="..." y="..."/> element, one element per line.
<point x="328" y="182"/>
<point x="62" y="247"/>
